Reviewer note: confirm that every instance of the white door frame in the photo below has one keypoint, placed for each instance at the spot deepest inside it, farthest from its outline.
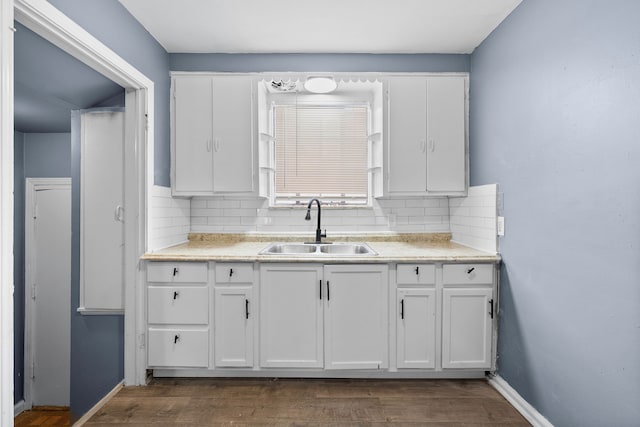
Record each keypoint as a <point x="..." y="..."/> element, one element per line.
<point x="47" y="21"/>
<point x="32" y="186"/>
<point x="6" y="212"/>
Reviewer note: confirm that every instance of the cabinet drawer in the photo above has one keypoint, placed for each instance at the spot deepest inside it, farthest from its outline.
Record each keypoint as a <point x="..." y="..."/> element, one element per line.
<point x="463" y="274"/>
<point x="178" y="348"/>
<point x="177" y="272"/>
<point x="178" y="305"/>
<point x="234" y="273"/>
<point x="422" y="274"/>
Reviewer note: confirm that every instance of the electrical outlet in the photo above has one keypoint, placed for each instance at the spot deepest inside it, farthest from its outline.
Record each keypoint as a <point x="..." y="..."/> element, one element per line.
<point x="500" y="226"/>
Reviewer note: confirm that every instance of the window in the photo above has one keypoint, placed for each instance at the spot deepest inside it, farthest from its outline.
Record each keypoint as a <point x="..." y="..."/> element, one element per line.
<point x="325" y="146"/>
<point x="321" y="150"/>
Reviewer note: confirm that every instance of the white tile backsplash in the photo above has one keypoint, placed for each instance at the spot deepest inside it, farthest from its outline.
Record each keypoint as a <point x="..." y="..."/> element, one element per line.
<point x="471" y="220"/>
<point x="233" y="214"/>
<point x="170" y="219"/>
<point x="474" y="218"/>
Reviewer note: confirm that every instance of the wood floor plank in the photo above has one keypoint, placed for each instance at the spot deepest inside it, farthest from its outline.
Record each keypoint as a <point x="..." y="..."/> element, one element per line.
<point x="308" y="402"/>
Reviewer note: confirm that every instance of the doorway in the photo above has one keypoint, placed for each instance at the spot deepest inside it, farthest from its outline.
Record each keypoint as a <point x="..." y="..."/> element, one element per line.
<point x="48" y="280"/>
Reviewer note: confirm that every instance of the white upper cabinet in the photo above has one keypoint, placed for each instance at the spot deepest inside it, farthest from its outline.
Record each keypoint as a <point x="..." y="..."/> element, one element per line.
<point x="213" y="134"/>
<point x="427" y="147"/>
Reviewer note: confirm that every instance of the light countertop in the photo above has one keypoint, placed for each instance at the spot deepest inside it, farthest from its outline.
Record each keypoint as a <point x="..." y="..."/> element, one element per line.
<point x="390" y="248"/>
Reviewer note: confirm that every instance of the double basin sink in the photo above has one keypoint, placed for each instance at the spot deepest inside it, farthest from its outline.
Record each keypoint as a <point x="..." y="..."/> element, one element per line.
<point x="319" y="249"/>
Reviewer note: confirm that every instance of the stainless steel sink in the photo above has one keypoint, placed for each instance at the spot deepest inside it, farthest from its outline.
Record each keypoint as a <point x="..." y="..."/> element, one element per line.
<point x="288" y="249"/>
<point x="347" y="249"/>
<point x="319" y="249"/>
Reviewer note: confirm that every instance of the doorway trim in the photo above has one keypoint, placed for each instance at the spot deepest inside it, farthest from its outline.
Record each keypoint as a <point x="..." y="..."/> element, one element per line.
<point x="6" y="212"/>
<point x="32" y="185"/>
<point x="50" y="23"/>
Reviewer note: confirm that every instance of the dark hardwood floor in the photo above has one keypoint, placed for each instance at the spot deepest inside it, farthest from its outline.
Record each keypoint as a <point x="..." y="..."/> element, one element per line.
<point x="292" y="402"/>
<point x="44" y="416"/>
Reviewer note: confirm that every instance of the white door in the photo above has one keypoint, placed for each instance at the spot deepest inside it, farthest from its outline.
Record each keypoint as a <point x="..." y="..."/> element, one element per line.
<point x="466" y="327"/>
<point x="48" y="288"/>
<point x="291" y="316"/>
<point x="356" y="327"/>
<point x="233" y="326"/>
<point x="416" y="328"/>
<point x="102" y="211"/>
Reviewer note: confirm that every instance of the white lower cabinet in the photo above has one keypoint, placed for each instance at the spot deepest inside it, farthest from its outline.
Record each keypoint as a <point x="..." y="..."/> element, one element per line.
<point x="234" y="310"/>
<point x="416" y="328"/>
<point x="178" y="315"/>
<point x="233" y="331"/>
<point x="343" y="307"/>
<point x="288" y="316"/>
<point x="468" y="316"/>
<point x="291" y="304"/>
<point x="356" y="333"/>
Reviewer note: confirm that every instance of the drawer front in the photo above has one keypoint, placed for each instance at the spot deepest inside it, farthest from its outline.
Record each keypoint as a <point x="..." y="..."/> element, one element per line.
<point x="418" y="274"/>
<point x="177" y="272"/>
<point x="178" y="305"/>
<point x="464" y="274"/>
<point x="178" y="348"/>
<point x="234" y="273"/>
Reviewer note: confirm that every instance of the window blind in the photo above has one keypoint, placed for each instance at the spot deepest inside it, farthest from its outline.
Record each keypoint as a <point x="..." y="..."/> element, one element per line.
<point x="321" y="151"/>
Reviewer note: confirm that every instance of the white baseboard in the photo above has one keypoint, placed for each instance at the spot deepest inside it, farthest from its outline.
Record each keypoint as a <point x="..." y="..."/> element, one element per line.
<point x="99" y="405"/>
<point x="526" y="410"/>
<point x="18" y="408"/>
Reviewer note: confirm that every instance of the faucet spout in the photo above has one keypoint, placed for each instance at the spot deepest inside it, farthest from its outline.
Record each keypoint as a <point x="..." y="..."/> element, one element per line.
<point x="319" y="233"/>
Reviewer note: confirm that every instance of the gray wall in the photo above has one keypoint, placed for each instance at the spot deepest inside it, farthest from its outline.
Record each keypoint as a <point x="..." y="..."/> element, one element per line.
<point x="37" y="155"/>
<point x="97" y="351"/>
<point x="246" y="63"/>
<point x="18" y="266"/>
<point x="97" y="342"/>
<point x="111" y="23"/>
<point x="555" y="98"/>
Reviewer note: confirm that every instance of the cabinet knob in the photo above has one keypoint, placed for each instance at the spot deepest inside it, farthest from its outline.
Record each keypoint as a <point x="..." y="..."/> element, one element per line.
<point x="176" y="338"/>
<point x="417" y="271"/>
<point x="176" y="294"/>
<point x="402" y="308"/>
<point x="469" y="271"/>
<point x="230" y="272"/>
<point x="175" y="271"/>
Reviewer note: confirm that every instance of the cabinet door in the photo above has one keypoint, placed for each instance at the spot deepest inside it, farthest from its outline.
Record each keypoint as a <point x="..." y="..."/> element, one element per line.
<point x="407" y="135"/>
<point x="193" y="143"/>
<point x="233" y="131"/>
<point x="416" y="328"/>
<point x="291" y="299"/>
<point x="355" y="326"/>
<point x="467" y="327"/>
<point x="233" y="326"/>
<point x="446" y="141"/>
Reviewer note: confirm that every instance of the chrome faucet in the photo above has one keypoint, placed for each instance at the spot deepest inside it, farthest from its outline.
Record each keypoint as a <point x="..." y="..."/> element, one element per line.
<point x="319" y="233"/>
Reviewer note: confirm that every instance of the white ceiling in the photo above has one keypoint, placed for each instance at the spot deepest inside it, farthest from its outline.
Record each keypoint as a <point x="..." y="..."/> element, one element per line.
<point x="326" y="26"/>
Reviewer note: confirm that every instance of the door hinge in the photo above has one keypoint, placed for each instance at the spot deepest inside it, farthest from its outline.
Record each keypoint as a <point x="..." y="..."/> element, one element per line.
<point x="146" y="121"/>
<point x="33" y="370"/>
<point x="33" y="291"/>
<point x="141" y="341"/>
